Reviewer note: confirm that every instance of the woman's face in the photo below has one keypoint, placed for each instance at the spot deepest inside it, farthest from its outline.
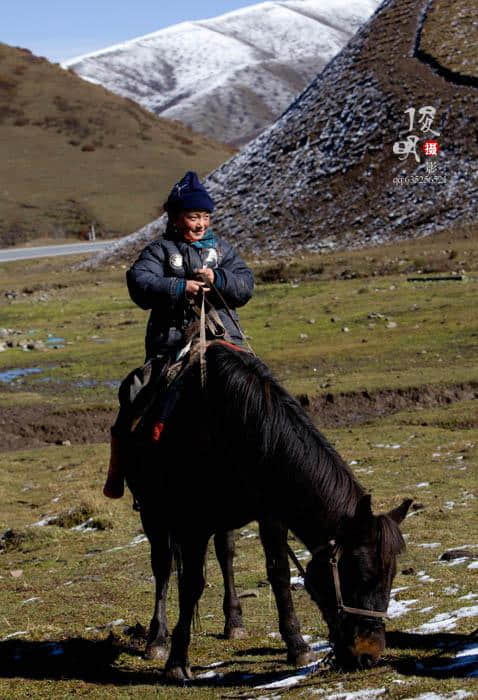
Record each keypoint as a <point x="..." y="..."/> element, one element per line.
<point x="192" y="225"/>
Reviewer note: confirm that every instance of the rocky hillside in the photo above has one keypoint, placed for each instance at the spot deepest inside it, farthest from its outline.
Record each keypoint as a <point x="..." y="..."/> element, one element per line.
<point x="326" y="174"/>
<point x="72" y="153"/>
<point x="231" y="76"/>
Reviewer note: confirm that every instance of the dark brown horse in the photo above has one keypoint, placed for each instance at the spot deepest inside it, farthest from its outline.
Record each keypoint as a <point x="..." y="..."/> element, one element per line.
<point x="243" y="449"/>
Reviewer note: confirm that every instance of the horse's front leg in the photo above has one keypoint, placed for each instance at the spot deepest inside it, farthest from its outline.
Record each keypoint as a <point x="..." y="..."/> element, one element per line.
<point x="225" y="550"/>
<point x="156" y="645"/>
<point x="274" y="539"/>
<point x="191" y="585"/>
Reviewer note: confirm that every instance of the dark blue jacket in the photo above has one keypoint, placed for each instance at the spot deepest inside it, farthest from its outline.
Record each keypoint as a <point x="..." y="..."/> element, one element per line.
<point x="156" y="281"/>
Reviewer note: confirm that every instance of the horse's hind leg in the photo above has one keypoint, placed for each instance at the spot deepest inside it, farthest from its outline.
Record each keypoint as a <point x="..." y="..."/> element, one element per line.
<point x="191" y="586"/>
<point x="156" y="645"/>
<point x="225" y="550"/>
<point x="274" y="540"/>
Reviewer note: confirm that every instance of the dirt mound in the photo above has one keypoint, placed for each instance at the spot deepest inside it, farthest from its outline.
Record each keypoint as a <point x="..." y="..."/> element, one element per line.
<point x="37" y="426"/>
<point x="337" y="410"/>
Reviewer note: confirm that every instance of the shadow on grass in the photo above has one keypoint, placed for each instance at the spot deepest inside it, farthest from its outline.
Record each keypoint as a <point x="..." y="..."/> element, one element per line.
<point x="93" y="661"/>
<point x="455" y="655"/>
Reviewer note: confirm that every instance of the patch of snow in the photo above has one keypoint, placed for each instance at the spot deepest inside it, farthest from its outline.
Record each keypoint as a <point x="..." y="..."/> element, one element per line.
<point x="451" y="590"/>
<point x="139" y="539"/>
<point x="455" y="562"/>
<point x="468" y="596"/>
<point x="14" y="634"/>
<point x="297" y="579"/>
<point x="454" y="695"/>
<point x="357" y="694"/>
<point x="294" y="679"/>
<point x="422" y="484"/>
<point x="44" y="521"/>
<point x="429" y="545"/>
<point x="473" y="565"/>
<point x="85" y="527"/>
<point x="425" y="610"/>
<point x="30" y="600"/>
<point x="397" y="608"/>
<point x="209" y="674"/>
<point x="424" y="577"/>
<point x="443" y="622"/>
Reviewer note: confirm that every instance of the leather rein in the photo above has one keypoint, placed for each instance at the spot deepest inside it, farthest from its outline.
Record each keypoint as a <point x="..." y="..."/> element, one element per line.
<point x="335" y="552"/>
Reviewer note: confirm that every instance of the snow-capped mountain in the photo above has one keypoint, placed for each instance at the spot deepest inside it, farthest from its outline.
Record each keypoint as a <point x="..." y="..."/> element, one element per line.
<point x="328" y="172"/>
<point x="231" y="76"/>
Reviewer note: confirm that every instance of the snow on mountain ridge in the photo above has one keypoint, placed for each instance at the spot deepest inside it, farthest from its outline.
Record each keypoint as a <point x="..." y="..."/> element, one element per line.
<point x="231" y="75"/>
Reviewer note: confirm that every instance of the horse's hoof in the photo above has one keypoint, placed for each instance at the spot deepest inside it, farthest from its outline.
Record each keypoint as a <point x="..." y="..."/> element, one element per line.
<point x="236" y="633"/>
<point x="155" y="652"/>
<point x="304" y="658"/>
<point x="178" y="674"/>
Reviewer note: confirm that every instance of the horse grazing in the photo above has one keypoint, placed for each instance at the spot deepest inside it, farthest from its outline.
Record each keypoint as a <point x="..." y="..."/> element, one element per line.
<point x="242" y="449"/>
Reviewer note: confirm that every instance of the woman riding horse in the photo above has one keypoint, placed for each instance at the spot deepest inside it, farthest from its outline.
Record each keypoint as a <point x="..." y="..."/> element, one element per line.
<point x="167" y="278"/>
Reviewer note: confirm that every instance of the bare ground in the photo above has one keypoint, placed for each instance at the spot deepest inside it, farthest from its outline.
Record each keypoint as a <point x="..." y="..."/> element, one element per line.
<point x="24" y="427"/>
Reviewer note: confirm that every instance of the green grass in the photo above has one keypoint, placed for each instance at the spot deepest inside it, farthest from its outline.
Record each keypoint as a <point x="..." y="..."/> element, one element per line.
<point x="63" y="585"/>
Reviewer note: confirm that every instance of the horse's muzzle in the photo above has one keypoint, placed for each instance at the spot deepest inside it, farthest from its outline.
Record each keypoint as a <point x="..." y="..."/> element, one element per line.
<point x="365" y="652"/>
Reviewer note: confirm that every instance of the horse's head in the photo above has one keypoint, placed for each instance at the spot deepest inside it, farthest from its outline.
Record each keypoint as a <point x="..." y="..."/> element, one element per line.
<point x="364" y="558"/>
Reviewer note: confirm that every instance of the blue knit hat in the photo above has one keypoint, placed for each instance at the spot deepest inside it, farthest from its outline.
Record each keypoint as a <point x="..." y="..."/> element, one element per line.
<point x="189" y="193"/>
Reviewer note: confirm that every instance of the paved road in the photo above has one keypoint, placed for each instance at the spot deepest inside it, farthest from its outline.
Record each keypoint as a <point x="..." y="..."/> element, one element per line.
<point x="8" y="254"/>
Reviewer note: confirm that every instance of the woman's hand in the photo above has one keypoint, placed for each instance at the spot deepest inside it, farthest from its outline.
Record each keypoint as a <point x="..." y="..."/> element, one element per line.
<point x="207" y="272"/>
<point x="193" y="287"/>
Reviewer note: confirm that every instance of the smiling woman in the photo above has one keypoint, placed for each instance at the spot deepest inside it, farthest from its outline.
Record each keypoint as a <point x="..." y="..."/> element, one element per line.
<point x="170" y="277"/>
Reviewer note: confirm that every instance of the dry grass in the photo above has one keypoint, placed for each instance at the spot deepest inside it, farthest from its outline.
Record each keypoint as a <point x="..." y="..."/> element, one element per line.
<point x="83" y="155"/>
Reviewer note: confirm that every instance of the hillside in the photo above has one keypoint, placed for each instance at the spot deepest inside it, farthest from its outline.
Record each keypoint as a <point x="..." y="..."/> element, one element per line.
<point x="231" y="76"/>
<point x="325" y="175"/>
<point x="71" y="153"/>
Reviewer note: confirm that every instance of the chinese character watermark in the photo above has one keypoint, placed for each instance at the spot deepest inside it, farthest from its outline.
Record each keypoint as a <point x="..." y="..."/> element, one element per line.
<point x="425" y="143"/>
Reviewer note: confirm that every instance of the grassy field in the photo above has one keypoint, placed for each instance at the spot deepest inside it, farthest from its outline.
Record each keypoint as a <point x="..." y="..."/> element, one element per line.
<point x="75" y="602"/>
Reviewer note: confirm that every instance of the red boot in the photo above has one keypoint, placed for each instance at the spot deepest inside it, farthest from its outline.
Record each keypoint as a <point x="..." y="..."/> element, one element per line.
<point x="114" y="485"/>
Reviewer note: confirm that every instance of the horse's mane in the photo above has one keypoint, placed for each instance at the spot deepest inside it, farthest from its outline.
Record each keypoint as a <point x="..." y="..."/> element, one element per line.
<point x="248" y="393"/>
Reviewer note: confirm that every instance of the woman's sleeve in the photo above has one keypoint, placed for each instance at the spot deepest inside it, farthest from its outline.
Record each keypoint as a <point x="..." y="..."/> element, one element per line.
<point x="233" y="278"/>
<point x="147" y="284"/>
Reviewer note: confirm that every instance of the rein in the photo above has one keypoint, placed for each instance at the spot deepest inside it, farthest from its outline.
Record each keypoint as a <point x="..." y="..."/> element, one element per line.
<point x="202" y="327"/>
<point x="333" y="559"/>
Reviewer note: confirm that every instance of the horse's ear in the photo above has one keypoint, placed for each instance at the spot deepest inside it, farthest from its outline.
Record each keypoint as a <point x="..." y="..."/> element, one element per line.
<point x="398" y="514"/>
<point x="363" y="512"/>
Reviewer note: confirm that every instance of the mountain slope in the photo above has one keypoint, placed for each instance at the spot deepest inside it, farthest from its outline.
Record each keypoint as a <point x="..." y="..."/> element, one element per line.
<point x="231" y="76"/>
<point x="325" y="174"/>
<point x="72" y="153"/>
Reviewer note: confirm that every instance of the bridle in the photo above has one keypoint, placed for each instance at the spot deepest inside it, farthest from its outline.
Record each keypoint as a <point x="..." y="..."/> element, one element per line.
<point x="334" y="551"/>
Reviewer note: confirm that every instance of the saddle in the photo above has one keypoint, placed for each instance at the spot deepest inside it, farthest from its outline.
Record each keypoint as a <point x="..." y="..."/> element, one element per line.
<point x="157" y="386"/>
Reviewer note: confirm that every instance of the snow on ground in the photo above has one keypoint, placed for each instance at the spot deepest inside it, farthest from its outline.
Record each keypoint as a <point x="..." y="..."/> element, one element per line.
<point x="454" y="695"/>
<point x="14" y="634"/>
<point x="364" y="694"/>
<point x="287" y="681"/>
<point x="397" y="608"/>
<point x="444" y="622"/>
